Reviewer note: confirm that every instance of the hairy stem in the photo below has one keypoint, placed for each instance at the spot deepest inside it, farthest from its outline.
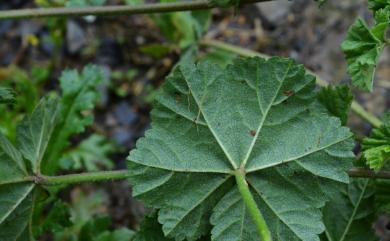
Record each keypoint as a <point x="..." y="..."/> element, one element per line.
<point x="112" y="10"/>
<point x="356" y="107"/>
<point x="82" y="177"/>
<point x="124" y="174"/>
<point x="250" y="203"/>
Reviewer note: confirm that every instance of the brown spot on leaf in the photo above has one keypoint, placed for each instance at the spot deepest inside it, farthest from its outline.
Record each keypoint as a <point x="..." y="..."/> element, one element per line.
<point x="252" y="132"/>
<point x="289" y="93"/>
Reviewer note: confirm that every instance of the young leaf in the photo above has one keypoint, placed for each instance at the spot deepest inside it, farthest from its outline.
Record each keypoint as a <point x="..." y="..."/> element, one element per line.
<point x="349" y="215"/>
<point x="34" y="132"/>
<point x="378" y="4"/>
<point x="363" y="47"/>
<point x="255" y="116"/>
<point x="337" y="101"/>
<point x="79" y="96"/>
<point x="91" y="154"/>
<point x="376" y="148"/>
<point x="6" y="95"/>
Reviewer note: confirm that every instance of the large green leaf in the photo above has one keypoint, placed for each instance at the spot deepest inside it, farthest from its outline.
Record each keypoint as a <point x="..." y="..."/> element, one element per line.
<point x="349" y="215"/>
<point x="256" y="115"/>
<point x="79" y="96"/>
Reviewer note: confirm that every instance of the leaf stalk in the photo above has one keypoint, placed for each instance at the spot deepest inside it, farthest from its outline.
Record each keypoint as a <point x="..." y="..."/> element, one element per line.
<point x="82" y="177"/>
<point x="250" y="203"/>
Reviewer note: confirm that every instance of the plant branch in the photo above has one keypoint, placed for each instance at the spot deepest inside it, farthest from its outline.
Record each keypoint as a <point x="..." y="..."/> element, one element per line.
<point x="250" y="203"/>
<point x="112" y="10"/>
<point x="356" y="107"/>
<point x="124" y="174"/>
<point x="82" y="177"/>
<point x="367" y="173"/>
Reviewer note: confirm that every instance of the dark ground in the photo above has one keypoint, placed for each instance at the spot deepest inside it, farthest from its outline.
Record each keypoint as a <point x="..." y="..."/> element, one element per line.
<point x="298" y="29"/>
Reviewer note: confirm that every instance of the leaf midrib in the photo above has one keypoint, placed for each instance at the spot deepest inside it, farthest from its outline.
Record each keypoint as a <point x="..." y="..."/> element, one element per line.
<point x="352" y="217"/>
<point x="297" y="157"/>
<point x="207" y="195"/>
<point x="265" y="115"/>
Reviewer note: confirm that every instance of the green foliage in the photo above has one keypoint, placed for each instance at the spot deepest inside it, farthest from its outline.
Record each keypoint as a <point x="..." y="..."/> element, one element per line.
<point x="27" y="86"/>
<point x="79" y="96"/>
<point x="337" y="100"/>
<point x="150" y="230"/>
<point x="376" y="148"/>
<point x="378" y="4"/>
<point x="350" y="213"/>
<point x="225" y="3"/>
<point x="83" y="3"/>
<point x="7" y="95"/>
<point x="91" y="155"/>
<point x="363" y="47"/>
<point x="183" y="28"/>
<point x="254" y="115"/>
<point x="16" y="193"/>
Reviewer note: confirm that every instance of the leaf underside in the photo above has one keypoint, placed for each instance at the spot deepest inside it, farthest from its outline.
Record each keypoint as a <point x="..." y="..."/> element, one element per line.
<point x="16" y="192"/>
<point x="349" y="214"/>
<point x="258" y="115"/>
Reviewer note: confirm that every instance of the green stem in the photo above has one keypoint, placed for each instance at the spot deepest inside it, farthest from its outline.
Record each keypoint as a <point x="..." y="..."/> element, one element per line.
<point x="356" y="107"/>
<point x="250" y="203"/>
<point x="82" y="177"/>
<point x="112" y="10"/>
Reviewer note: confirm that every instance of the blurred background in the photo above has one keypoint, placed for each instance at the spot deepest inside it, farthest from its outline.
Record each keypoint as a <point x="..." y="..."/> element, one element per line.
<point x="135" y="54"/>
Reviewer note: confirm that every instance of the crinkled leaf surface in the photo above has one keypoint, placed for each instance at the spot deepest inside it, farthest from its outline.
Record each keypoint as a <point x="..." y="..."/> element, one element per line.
<point x="337" y="100"/>
<point x="255" y="114"/>
<point x="349" y="215"/>
<point x="362" y="48"/>
<point x="79" y="96"/>
<point x="376" y="148"/>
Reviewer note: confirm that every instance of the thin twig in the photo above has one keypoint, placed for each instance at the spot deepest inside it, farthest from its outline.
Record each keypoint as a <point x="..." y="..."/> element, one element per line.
<point x="356" y="107"/>
<point x="367" y="173"/>
<point x="111" y="10"/>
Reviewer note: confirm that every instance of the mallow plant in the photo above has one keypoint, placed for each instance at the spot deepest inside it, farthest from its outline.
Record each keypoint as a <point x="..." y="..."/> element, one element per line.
<point x="247" y="150"/>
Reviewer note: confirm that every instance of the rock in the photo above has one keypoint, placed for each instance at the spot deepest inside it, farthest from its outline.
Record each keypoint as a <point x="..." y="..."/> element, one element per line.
<point x="124" y="114"/>
<point x="274" y="11"/>
<point x="75" y="37"/>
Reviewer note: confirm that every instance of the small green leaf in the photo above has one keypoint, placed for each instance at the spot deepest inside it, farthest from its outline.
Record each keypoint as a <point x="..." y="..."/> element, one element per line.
<point x="362" y="49"/>
<point x="91" y="154"/>
<point x="378" y="4"/>
<point x="376" y="148"/>
<point x="256" y="115"/>
<point x="79" y="97"/>
<point x="6" y="95"/>
<point x="337" y="101"/>
<point x="349" y="215"/>
<point x="34" y="132"/>
<point x="150" y="230"/>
